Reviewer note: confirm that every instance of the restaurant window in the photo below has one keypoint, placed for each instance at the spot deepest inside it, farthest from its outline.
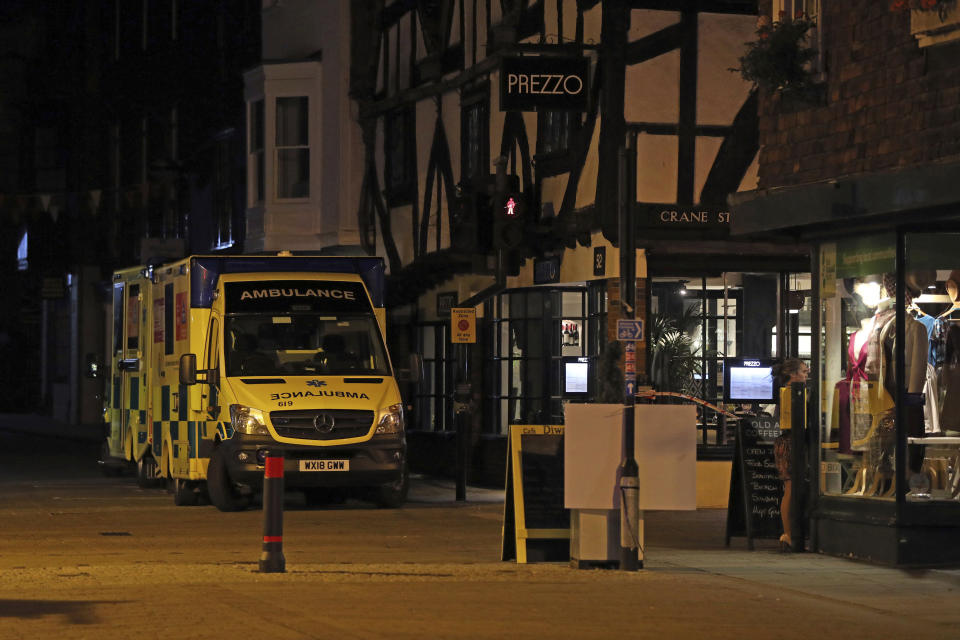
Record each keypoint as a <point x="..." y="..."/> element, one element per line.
<point x="543" y="352"/>
<point x="433" y="402"/>
<point x="699" y="325"/>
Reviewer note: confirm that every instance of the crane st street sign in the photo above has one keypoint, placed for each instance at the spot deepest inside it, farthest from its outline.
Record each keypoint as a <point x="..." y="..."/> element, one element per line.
<point x="532" y="83"/>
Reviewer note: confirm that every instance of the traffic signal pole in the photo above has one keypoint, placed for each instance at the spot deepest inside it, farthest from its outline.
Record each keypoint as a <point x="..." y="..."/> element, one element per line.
<point x="463" y="405"/>
<point x="630" y="523"/>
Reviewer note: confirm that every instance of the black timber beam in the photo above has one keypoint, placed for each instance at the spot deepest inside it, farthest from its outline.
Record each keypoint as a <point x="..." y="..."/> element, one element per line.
<point x="655" y="44"/>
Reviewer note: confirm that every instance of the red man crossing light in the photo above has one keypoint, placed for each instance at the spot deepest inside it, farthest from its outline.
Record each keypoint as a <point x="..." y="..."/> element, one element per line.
<point x="508" y="222"/>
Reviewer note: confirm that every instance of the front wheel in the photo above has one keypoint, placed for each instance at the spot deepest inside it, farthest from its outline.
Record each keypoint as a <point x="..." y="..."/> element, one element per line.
<point x="184" y="493"/>
<point x="148" y="472"/>
<point x="394" y="494"/>
<point x="223" y="494"/>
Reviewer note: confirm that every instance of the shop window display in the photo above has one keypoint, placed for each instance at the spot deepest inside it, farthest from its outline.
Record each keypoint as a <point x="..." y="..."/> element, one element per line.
<point x="860" y="386"/>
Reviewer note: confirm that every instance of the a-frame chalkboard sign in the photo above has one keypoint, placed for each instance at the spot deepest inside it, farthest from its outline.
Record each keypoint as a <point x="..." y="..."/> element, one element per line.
<point x="536" y="525"/>
<point x="753" y="508"/>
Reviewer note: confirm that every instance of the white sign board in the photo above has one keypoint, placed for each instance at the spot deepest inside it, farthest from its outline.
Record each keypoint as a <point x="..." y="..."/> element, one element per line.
<point x="666" y="454"/>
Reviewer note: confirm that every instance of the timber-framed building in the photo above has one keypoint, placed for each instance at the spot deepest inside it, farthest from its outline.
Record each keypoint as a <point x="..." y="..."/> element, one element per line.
<point x="426" y="77"/>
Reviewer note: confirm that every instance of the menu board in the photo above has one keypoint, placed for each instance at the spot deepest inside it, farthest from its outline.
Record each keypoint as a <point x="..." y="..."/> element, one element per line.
<point x="536" y="525"/>
<point x="753" y="508"/>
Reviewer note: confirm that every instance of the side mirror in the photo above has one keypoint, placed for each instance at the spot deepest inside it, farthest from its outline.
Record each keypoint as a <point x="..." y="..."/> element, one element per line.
<point x="188" y="369"/>
<point x="416" y="368"/>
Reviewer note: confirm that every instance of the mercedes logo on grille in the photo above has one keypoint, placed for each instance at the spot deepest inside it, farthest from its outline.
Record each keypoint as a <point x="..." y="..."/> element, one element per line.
<point x="324" y="423"/>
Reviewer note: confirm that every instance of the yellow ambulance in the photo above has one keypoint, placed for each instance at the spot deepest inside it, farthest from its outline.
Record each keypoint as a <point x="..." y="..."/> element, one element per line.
<point x="216" y="360"/>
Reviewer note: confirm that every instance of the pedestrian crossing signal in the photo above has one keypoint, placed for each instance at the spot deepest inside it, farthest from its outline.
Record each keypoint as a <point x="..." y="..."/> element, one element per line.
<point x="508" y="221"/>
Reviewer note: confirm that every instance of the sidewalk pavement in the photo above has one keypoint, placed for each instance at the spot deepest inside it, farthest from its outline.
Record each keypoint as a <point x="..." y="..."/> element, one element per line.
<point x="676" y="541"/>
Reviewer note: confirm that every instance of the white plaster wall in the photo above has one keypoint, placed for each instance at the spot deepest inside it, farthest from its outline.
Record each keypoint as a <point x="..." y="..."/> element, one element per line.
<point x="306" y="50"/>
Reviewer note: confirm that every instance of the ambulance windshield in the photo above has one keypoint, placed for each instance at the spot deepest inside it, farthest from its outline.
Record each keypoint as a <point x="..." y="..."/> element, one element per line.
<point x="301" y="327"/>
<point x="304" y="343"/>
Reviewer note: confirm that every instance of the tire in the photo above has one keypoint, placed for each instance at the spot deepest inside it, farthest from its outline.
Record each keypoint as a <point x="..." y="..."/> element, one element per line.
<point x="184" y="493"/>
<point x="394" y="494"/>
<point x="148" y="472"/>
<point x="222" y="493"/>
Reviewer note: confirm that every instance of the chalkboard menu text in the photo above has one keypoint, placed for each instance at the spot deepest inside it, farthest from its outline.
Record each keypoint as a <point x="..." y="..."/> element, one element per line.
<point x="753" y="508"/>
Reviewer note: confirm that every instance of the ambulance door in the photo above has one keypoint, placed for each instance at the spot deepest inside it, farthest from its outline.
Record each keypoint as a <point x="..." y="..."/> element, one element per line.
<point x="132" y="400"/>
<point x="115" y="400"/>
<point x="210" y="392"/>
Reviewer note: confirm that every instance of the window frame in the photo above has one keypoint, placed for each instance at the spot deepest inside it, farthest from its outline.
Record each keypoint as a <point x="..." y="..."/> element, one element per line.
<point x="812" y="9"/>
<point x="551" y="157"/>
<point x="280" y="147"/>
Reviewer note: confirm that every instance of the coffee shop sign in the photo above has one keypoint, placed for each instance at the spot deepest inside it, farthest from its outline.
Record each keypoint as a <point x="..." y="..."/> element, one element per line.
<point x="679" y="216"/>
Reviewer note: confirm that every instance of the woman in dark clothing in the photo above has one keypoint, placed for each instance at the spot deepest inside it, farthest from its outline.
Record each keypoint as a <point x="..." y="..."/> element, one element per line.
<point x="790" y="371"/>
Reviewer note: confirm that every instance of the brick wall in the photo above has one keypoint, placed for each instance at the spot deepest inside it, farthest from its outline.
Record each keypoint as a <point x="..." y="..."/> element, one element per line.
<point x="888" y="103"/>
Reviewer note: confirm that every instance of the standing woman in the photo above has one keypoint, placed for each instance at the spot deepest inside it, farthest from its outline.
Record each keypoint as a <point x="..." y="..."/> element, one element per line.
<point x="790" y="371"/>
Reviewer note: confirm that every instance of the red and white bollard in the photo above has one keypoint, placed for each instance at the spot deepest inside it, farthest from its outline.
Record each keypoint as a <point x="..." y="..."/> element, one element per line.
<point x="271" y="558"/>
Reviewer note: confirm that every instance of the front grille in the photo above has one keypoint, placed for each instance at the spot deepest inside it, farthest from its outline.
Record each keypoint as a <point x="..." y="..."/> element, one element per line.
<point x="347" y="423"/>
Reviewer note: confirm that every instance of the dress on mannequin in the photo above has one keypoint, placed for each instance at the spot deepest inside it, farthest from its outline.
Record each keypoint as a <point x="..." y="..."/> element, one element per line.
<point x="856" y="373"/>
<point x="868" y="401"/>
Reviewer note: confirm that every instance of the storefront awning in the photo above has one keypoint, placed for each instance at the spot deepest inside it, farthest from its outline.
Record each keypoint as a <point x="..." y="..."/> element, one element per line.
<point x="902" y="195"/>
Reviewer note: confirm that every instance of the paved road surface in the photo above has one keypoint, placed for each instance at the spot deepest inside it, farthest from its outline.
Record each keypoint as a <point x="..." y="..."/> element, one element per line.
<point x="83" y="556"/>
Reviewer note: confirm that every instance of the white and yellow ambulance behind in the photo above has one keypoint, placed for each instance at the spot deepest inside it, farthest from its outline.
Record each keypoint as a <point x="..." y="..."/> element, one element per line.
<point x="217" y="359"/>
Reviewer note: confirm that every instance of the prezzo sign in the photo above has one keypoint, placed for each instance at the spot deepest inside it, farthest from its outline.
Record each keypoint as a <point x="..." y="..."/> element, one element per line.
<point x="531" y="83"/>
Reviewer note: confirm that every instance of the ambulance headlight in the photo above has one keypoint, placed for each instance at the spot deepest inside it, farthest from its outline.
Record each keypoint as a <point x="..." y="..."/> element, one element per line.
<point x="247" y="420"/>
<point x="391" y="422"/>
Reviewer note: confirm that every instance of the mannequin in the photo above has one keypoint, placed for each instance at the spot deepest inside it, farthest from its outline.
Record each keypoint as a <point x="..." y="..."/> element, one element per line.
<point x="866" y="402"/>
<point x="915" y="349"/>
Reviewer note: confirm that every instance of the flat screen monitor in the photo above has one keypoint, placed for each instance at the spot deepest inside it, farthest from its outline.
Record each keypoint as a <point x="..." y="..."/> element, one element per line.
<point x="575" y="376"/>
<point x="749" y="380"/>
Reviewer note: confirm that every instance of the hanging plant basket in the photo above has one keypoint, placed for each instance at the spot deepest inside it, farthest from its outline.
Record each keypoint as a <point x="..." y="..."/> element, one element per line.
<point x="779" y="59"/>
